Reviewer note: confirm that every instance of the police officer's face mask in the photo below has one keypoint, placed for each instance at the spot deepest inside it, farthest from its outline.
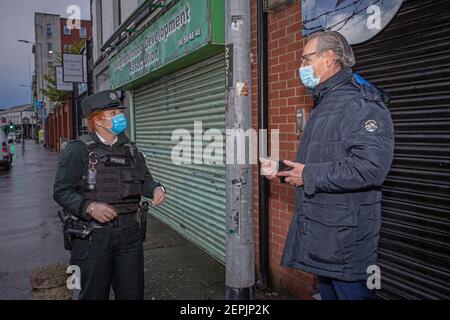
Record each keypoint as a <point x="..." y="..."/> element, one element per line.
<point x="119" y="124"/>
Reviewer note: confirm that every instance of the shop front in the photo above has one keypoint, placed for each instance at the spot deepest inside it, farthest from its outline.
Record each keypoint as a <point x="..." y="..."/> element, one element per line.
<point x="174" y="70"/>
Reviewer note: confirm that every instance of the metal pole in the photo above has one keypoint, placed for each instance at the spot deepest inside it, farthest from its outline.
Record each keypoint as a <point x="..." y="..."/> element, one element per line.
<point x="75" y="111"/>
<point x="41" y="89"/>
<point x="240" y="266"/>
<point x="21" y="125"/>
<point x="132" y="117"/>
<point x="32" y="105"/>
<point x="43" y="122"/>
<point x="23" y="131"/>
<point x="263" y="123"/>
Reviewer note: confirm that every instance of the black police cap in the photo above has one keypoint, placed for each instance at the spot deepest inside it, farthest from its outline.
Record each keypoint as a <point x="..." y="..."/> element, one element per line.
<point x="103" y="100"/>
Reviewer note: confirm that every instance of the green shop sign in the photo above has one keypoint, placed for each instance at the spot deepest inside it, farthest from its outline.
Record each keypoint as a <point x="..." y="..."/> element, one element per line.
<point x="189" y="31"/>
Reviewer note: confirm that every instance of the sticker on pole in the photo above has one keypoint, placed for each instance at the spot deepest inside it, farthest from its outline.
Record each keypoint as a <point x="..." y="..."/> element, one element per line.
<point x="237" y="22"/>
<point x="242" y="89"/>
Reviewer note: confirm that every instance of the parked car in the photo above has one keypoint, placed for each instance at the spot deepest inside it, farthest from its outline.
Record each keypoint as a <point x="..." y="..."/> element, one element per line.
<point x="6" y="157"/>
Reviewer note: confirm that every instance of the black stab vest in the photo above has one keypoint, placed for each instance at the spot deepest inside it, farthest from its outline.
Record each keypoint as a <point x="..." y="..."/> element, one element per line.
<point x="118" y="178"/>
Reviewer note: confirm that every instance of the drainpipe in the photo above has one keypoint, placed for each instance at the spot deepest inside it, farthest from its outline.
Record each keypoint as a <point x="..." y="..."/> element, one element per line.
<point x="263" y="124"/>
<point x="240" y="265"/>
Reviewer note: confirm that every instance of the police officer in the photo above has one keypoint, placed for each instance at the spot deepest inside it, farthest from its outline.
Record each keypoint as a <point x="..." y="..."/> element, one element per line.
<point x="100" y="180"/>
<point x="344" y="156"/>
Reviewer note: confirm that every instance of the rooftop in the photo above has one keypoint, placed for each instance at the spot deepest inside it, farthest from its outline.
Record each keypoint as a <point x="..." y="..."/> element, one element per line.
<point x="23" y="107"/>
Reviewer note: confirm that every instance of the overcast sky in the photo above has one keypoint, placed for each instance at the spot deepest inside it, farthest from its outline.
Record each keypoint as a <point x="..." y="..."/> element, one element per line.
<point x="16" y="22"/>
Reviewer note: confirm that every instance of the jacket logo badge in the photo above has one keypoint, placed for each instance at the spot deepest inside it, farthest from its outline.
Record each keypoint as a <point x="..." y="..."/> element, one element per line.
<point x="371" y="126"/>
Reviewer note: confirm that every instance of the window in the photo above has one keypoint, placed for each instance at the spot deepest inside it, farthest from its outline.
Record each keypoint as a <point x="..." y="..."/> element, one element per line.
<point x="67" y="30"/>
<point x="49" y="46"/>
<point x="82" y="32"/>
<point x="67" y="48"/>
<point x="49" y="31"/>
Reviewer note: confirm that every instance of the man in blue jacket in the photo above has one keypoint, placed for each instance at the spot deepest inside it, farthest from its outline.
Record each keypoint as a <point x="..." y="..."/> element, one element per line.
<point x="344" y="156"/>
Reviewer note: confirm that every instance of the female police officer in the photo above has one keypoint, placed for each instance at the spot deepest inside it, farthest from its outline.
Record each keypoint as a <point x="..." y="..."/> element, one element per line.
<point x="100" y="181"/>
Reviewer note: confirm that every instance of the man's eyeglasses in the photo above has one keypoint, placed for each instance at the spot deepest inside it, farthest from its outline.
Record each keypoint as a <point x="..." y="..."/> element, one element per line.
<point x="305" y="58"/>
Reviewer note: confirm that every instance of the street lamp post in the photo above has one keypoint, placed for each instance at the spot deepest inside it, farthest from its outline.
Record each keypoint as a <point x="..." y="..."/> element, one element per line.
<point x="21" y="118"/>
<point x="43" y="113"/>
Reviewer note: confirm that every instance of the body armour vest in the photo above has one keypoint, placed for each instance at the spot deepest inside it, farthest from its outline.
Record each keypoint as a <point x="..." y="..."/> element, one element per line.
<point x="117" y="179"/>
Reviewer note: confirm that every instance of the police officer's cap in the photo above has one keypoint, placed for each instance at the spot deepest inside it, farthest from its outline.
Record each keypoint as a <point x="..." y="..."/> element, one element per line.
<point x="104" y="100"/>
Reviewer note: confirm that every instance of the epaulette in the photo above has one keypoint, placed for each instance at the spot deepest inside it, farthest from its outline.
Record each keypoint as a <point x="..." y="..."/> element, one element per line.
<point x="370" y="91"/>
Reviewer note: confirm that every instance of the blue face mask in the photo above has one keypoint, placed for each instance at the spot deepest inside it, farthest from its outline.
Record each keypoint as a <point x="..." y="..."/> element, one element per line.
<point x="308" y="78"/>
<point x="119" y="123"/>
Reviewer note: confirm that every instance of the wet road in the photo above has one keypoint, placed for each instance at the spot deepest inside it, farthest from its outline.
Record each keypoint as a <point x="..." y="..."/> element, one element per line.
<point x="30" y="231"/>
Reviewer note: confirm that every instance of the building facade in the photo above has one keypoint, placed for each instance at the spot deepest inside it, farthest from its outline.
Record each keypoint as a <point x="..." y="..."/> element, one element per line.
<point x="401" y="49"/>
<point x="22" y="118"/>
<point x="107" y="16"/>
<point x="176" y="82"/>
<point x="180" y="84"/>
<point x="46" y="49"/>
<point x="53" y="37"/>
<point x="71" y="38"/>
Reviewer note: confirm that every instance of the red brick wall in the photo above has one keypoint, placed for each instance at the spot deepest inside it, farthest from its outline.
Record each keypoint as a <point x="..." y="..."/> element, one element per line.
<point x="74" y="37"/>
<point x="59" y="125"/>
<point x="286" y="95"/>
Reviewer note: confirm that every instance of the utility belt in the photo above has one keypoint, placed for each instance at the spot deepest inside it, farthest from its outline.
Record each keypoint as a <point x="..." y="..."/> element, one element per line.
<point x="75" y="228"/>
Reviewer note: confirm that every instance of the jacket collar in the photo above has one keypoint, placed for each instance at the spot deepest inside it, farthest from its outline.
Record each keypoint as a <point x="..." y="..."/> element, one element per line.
<point x="121" y="139"/>
<point x="330" y="84"/>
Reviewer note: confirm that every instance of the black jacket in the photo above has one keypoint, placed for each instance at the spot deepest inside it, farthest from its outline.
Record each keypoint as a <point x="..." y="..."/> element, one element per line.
<point x="73" y="167"/>
<point x="347" y="147"/>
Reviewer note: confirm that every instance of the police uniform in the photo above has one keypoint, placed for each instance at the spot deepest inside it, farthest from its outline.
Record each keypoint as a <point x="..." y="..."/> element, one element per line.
<point x="91" y="171"/>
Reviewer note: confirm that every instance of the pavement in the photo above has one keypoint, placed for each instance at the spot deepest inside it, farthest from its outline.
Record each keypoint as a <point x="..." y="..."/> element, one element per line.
<point x="29" y="226"/>
<point x="30" y="237"/>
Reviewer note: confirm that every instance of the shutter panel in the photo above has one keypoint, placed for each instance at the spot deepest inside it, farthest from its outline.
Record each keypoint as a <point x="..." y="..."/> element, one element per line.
<point x="196" y="192"/>
<point x="410" y="60"/>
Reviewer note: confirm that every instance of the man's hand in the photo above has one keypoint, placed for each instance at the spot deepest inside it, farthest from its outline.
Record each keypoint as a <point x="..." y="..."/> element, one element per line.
<point x="101" y="212"/>
<point x="294" y="176"/>
<point x="267" y="168"/>
<point x="159" y="196"/>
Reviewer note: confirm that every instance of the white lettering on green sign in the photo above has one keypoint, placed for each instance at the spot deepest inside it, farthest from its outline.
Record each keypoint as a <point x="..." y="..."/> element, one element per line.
<point x="181" y="30"/>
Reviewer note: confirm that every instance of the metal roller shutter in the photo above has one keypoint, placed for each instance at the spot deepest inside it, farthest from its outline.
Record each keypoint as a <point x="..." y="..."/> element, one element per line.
<point x="411" y="60"/>
<point x="196" y="203"/>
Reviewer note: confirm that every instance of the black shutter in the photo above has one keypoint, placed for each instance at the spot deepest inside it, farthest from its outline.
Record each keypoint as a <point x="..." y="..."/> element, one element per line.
<point x="411" y="60"/>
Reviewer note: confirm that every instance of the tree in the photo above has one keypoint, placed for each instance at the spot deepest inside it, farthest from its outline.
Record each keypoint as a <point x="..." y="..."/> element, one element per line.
<point x="51" y="92"/>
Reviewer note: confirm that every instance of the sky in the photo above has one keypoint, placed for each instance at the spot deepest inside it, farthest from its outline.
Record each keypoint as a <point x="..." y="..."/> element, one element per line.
<point x="16" y="59"/>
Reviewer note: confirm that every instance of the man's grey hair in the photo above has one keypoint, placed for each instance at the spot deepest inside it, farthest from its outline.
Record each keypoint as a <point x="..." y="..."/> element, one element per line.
<point x="333" y="40"/>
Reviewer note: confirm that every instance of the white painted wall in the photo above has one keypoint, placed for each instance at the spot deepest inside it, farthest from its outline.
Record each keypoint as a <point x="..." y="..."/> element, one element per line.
<point x="128" y="7"/>
<point x="14" y="117"/>
<point x="107" y="19"/>
<point x="95" y="29"/>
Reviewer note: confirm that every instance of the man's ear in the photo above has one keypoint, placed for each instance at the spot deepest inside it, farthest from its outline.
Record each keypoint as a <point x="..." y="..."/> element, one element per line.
<point x="331" y="56"/>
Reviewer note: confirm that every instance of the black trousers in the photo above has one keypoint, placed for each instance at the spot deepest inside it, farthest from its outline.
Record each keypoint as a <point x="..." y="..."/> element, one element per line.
<point x="112" y="257"/>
